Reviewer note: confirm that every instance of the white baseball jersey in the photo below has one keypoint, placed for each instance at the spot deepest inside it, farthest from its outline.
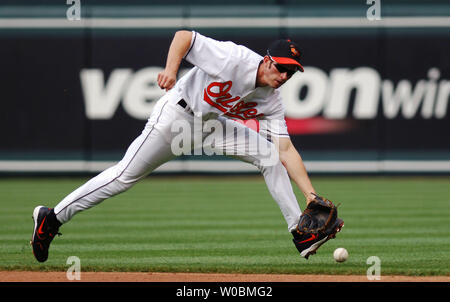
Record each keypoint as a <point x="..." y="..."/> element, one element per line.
<point x="223" y="82"/>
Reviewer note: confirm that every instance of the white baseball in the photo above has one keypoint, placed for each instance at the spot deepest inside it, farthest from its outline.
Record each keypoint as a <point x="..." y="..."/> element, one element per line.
<point x="340" y="254"/>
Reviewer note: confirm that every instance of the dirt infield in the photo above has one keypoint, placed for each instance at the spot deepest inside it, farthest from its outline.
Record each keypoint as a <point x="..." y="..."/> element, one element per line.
<point x="23" y="276"/>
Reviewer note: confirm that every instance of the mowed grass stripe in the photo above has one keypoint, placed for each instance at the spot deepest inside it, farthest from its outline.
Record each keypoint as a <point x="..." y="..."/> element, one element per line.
<point x="217" y="224"/>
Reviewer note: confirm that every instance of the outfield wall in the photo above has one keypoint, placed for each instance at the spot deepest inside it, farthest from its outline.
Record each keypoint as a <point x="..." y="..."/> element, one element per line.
<point x="373" y="98"/>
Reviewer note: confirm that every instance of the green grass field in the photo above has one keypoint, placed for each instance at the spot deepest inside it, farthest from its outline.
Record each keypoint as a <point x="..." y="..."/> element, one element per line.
<point x="231" y="224"/>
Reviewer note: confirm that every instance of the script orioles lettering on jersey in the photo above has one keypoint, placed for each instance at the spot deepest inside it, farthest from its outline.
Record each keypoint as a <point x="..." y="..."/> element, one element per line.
<point x="216" y="94"/>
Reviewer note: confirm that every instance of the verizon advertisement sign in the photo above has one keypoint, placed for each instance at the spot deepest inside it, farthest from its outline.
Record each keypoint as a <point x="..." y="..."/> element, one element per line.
<point x="327" y="94"/>
<point x="367" y="97"/>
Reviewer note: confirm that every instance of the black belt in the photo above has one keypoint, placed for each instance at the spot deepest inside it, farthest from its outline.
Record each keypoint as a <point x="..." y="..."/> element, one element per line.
<point x="183" y="104"/>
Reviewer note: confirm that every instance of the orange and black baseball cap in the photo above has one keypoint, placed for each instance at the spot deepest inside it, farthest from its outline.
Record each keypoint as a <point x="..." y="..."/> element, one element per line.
<point x="285" y="52"/>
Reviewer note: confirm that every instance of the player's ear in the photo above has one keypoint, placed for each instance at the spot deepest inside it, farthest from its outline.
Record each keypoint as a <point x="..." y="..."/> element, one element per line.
<point x="267" y="61"/>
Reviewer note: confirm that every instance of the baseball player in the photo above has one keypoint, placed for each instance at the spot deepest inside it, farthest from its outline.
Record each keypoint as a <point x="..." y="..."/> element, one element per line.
<point x="228" y="82"/>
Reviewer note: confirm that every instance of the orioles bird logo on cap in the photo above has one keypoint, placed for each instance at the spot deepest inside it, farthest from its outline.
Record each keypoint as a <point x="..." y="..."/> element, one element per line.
<point x="294" y="51"/>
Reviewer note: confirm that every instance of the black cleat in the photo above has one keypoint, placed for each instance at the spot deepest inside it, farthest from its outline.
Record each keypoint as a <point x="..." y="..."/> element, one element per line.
<point x="308" y="244"/>
<point x="46" y="227"/>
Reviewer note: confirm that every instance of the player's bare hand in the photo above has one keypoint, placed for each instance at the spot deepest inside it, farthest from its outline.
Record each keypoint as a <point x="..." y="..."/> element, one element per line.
<point x="167" y="79"/>
<point x="310" y="197"/>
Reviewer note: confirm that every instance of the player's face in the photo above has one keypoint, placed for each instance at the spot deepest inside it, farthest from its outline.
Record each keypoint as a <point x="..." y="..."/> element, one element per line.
<point x="278" y="74"/>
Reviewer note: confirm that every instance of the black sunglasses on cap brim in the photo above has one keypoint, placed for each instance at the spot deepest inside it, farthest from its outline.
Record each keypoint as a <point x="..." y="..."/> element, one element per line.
<point x="283" y="69"/>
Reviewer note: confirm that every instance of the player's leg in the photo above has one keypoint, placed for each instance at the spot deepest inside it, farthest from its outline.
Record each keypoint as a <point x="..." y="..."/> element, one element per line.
<point x="148" y="151"/>
<point x="247" y="145"/>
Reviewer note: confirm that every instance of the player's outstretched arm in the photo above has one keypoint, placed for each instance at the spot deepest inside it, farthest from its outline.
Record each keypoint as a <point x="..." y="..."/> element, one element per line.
<point x="177" y="50"/>
<point x="293" y="163"/>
